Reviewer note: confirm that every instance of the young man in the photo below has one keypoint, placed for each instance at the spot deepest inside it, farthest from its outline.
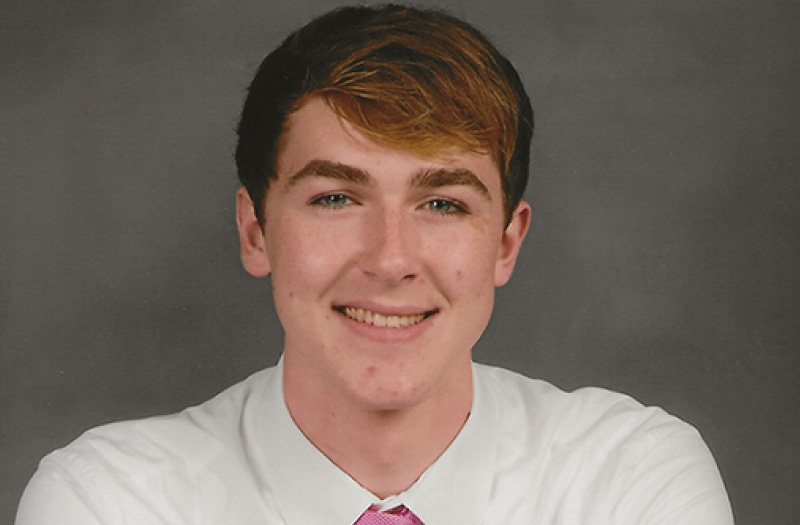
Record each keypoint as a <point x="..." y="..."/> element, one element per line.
<point x="383" y="154"/>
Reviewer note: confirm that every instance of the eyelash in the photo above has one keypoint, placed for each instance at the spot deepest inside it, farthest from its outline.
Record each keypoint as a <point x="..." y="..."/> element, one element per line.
<point x="336" y="201"/>
<point x="325" y="201"/>
<point x="455" y="207"/>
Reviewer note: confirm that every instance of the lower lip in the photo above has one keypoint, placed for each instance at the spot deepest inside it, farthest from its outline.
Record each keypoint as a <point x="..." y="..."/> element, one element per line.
<point x="386" y="335"/>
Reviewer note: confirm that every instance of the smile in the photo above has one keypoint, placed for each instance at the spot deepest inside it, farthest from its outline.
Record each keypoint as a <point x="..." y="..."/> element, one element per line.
<point x="380" y="320"/>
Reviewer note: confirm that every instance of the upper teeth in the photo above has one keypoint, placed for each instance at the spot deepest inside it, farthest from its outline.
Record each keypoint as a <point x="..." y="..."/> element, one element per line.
<point x="376" y="319"/>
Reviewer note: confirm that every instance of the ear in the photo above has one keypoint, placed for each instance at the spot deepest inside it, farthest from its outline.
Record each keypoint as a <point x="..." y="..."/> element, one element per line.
<point x="251" y="237"/>
<point x="511" y="243"/>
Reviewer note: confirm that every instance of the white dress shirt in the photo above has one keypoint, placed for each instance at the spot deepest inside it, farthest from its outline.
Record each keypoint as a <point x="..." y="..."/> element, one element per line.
<point x="528" y="454"/>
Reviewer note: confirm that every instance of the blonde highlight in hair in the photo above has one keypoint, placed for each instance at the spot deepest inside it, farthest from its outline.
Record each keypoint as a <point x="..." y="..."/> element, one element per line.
<point x="412" y="93"/>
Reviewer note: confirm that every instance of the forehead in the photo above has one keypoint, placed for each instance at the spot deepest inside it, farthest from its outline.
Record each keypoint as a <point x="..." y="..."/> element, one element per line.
<point x="314" y="132"/>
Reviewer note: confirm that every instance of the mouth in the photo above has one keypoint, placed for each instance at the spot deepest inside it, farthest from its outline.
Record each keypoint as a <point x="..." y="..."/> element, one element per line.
<point x="369" y="317"/>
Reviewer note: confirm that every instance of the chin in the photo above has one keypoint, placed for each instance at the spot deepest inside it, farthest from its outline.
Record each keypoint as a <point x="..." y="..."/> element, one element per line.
<point x="392" y="395"/>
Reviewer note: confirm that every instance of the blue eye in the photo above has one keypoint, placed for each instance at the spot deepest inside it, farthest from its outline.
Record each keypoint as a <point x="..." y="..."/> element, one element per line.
<point x="332" y="200"/>
<point x="444" y="207"/>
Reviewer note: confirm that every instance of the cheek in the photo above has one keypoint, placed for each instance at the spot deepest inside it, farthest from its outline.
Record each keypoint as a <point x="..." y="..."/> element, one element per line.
<point x="468" y="260"/>
<point x="466" y="277"/>
<point x="305" y="260"/>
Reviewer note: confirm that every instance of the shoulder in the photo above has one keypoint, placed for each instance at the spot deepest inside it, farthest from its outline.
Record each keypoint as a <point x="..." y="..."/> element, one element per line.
<point x="586" y="414"/>
<point x="153" y="442"/>
<point x="153" y="460"/>
<point x="603" y="455"/>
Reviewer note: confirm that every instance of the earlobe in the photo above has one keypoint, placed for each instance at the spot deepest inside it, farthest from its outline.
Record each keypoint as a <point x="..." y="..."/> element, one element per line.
<point x="511" y="243"/>
<point x="251" y="237"/>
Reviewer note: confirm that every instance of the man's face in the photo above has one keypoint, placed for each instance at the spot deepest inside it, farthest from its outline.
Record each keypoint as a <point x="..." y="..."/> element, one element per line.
<point x="383" y="263"/>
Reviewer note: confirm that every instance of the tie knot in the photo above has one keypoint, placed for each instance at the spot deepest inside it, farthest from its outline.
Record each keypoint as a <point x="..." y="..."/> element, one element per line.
<point x="400" y="515"/>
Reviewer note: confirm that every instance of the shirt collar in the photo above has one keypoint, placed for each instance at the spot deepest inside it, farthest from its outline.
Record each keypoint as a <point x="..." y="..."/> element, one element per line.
<point x="306" y="485"/>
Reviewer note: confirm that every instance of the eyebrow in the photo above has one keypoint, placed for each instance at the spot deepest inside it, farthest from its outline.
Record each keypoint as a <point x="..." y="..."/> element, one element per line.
<point x="427" y="178"/>
<point x="331" y="170"/>
<point x="439" y="177"/>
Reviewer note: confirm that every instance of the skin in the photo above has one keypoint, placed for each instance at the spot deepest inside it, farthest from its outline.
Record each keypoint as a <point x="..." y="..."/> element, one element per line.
<point x="353" y="224"/>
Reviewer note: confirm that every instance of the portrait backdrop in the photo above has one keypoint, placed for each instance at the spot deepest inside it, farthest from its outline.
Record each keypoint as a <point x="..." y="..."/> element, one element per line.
<point x="662" y="261"/>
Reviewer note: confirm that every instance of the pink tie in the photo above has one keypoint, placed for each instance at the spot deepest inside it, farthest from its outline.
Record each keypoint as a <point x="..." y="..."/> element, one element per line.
<point x="396" y="516"/>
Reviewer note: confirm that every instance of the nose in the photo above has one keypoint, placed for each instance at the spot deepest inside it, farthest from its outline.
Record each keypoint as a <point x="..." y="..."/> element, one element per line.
<point x="391" y="246"/>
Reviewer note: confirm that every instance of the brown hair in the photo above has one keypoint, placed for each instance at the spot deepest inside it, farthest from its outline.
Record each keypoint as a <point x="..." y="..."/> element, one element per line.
<point x="414" y="79"/>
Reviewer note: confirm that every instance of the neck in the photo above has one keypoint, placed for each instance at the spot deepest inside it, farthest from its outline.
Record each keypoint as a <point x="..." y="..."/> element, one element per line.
<point x="384" y="450"/>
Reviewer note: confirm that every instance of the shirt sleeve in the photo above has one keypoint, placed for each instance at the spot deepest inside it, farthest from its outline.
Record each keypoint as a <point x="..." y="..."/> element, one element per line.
<point x="55" y="497"/>
<point x="676" y="483"/>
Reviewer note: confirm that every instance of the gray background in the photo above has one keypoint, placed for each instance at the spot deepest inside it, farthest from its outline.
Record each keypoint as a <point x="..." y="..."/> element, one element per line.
<point x="662" y="261"/>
